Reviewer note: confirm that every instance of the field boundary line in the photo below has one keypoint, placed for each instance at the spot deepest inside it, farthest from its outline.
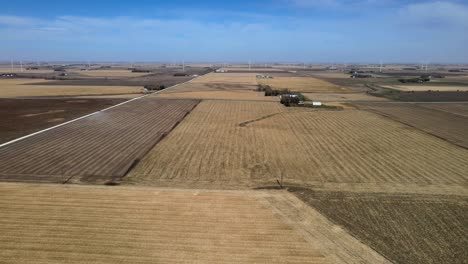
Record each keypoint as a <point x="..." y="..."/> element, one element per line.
<point x="394" y="119"/>
<point x="88" y="115"/>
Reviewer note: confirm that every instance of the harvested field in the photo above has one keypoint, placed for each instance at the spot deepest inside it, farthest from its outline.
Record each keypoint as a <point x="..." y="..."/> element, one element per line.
<point x="214" y="91"/>
<point x="427" y="87"/>
<point x="98" y="148"/>
<point x="11" y="88"/>
<point x="225" y="86"/>
<point x="246" y="69"/>
<point x="334" y="75"/>
<point x="303" y="84"/>
<point x="453" y="108"/>
<point x="404" y="228"/>
<point x="245" y="79"/>
<point x="111" y="73"/>
<point x="230" y="144"/>
<point x="24" y="116"/>
<point x="18" y="70"/>
<point x="451" y="127"/>
<point x="344" y="97"/>
<point x="76" y="224"/>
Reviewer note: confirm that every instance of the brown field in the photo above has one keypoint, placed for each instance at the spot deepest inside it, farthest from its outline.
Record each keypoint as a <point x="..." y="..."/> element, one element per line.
<point x="225" y="86"/>
<point x="334" y="75"/>
<point x="342" y="97"/>
<point x="443" y="124"/>
<point x="303" y="84"/>
<point x="246" y="69"/>
<point x="17" y="69"/>
<point x="98" y="148"/>
<point x="76" y="224"/>
<point x="24" y="116"/>
<point x="368" y="181"/>
<point x="404" y="228"/>
<point x="453" y="108"/>
<point x="110" y="73"/>
<point x="428" y="87"/>
<point x="11" y="88"/>
<point x="229" y="144"/>
<point x="245" y="79"/>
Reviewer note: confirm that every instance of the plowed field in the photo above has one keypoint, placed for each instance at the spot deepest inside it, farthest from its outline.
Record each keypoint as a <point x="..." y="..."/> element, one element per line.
<point x="443" y="124"/>
<point x="24" y="116"/>
<point x="404" y="228"/>
<point x="98" y="148"/>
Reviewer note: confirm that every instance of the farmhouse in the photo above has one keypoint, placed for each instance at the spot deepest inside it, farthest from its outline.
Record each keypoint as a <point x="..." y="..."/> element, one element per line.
<point x="264" y="77"/>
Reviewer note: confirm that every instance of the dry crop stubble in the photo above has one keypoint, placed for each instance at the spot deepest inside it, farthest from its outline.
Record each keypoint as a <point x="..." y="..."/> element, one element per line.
<point x="222" y="86"/>
<point x="231" y="144"/>
<point x="44" y="223"/>
<point x="10" y="88"/>
<point x="303" y="85"/>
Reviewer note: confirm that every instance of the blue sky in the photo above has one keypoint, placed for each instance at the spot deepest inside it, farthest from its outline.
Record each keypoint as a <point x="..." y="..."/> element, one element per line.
<point x="332" y="31"/>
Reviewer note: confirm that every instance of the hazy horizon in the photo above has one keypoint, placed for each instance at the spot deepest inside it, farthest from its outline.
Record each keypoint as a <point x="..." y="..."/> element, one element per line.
<point x="287" y="31"/>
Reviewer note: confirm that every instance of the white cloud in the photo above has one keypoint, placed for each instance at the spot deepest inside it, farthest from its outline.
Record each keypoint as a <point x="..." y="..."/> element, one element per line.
<point x="340" y="3"/>
<point x="435" y="14"/>
<point x="16" y="21"/>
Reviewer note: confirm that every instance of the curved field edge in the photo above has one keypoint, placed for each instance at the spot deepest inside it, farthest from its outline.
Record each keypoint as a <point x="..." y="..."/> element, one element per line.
<point x="210" y="149"/>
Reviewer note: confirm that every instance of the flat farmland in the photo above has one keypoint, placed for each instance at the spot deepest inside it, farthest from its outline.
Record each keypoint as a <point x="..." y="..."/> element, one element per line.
<point x="253" y="69"/>
<point x="17" y="69"/>
<point x="303" y="84"/>
<point x="427" y="87"/>
<point x="224" y="86"/>
<point x="405" y="228"/>
<point x="11" y="88"/>
<point x="443" y="124"/>
<point x="342" y="97"/>
<point x="231" y="144"/>
<point x="246" y="79"/>
<point x="54" y="225"/>
<point x="24" y="116"/>
<point x="110" y="73"/>
<point x="44" y="223"/>
<point x="453" y="108"/>
<point x="95" y="149"/>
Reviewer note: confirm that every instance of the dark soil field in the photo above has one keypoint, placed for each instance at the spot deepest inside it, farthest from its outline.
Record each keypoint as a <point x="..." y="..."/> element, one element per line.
<point x="24" y="116"/>
<point x="453" y="108"/>
<point x="425" y="96"/>
<point x="162" y="77"/>
<point x="404" y="228"/>
<point x="98" y="149"/>
<point x="443" y="124"/>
